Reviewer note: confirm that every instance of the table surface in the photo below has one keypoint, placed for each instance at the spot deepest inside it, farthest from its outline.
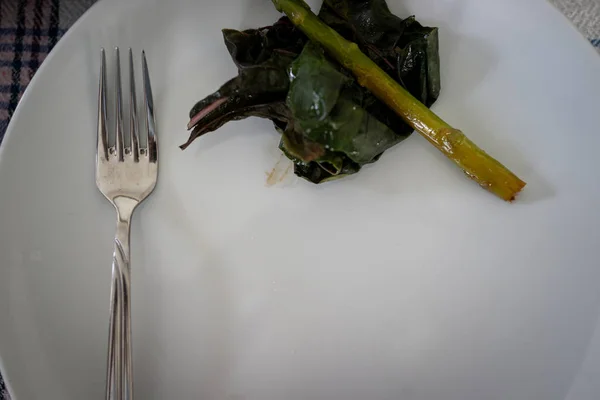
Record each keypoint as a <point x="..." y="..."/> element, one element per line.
<point x="29" y="30"/>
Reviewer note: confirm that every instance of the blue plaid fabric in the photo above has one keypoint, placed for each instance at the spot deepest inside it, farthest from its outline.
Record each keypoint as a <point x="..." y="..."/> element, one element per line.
<point x="29" y="29"/>
<point x="27" y="33"/>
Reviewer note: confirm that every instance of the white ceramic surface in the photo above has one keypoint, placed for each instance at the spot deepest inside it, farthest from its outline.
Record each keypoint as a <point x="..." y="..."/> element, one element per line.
<point x="406" y="281"/>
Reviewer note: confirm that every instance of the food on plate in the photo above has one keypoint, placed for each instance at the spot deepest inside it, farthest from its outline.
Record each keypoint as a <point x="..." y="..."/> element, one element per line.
<point x="342" y="88"/>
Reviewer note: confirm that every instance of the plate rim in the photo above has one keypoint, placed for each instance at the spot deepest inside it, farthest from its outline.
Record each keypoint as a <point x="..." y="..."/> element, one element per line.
<point x="10" y="128"/>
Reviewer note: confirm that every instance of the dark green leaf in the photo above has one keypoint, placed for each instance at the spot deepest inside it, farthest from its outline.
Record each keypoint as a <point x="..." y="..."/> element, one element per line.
<point x="405" y="49"/>
<point x="263" y="57"/>
<point x="315" y="85"/>
<point x="322" y="105"/>
<point x="330" y="125"/>
<point x="297" y="147"/>
<point x="315" y="173"/>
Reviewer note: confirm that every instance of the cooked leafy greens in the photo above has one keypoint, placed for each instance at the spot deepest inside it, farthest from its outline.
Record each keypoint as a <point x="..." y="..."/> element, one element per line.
<point x="330" y="125"/>
<point x="479" y="166"/>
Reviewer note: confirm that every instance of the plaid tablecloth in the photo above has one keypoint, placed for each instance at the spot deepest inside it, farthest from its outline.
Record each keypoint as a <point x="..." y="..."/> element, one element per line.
<point x="29" y="29"/>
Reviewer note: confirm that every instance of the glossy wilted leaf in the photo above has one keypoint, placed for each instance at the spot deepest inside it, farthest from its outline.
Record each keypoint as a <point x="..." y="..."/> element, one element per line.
<point x="404" y="49"/>
<point x="263" y="57"/>
<point x="321" y="102"/>
<point x="330" y="125"/>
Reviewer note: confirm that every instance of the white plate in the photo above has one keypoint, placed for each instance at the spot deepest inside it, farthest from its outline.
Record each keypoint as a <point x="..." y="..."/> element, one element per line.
<point x="406" y="281"/>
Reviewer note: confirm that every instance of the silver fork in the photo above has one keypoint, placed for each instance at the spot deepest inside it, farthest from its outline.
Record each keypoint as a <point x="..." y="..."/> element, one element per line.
<point x="125" y="174"/>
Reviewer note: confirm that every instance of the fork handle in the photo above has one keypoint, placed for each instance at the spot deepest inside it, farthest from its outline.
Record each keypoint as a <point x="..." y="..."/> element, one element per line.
<point x="119" y="380"/>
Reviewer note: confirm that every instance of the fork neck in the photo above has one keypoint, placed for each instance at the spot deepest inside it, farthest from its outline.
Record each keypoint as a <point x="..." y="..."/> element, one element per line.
<point x="125" y="207"/>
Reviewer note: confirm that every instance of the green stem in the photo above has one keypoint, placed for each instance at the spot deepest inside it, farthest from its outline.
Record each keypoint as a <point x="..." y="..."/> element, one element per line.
<point x="476" y="163"/>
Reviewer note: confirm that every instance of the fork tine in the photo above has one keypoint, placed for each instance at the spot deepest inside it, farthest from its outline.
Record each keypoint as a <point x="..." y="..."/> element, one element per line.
<point x="133" y="120"/>
<point x="119" y="144"/>
<point x="102" y="145"/>
<point x="149" y="106"/>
